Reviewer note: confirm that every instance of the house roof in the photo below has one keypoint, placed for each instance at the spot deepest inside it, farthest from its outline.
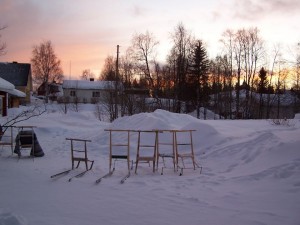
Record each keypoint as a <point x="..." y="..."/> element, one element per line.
<point x="15" y="73"/>
<point x="54" y="87"/>
<point x="5" y="84"/>
<point x="10" y="88"/>
<point x="87" y="85"/>
<point x="17" y="93"/>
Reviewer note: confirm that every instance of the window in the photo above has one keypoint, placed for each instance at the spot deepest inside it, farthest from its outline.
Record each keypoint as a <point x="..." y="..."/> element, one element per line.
<point x="96" y="94"/>
<point x="73" y="93"/>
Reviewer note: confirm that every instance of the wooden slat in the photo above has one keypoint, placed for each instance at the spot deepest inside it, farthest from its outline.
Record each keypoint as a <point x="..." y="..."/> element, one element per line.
<point x="77" y="139"/>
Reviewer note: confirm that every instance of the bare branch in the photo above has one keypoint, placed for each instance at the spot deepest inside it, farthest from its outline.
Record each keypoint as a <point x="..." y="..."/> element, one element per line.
<point x="144" y="52"/>
<point x="2" y="45"/>
<point x="34" y="111"/>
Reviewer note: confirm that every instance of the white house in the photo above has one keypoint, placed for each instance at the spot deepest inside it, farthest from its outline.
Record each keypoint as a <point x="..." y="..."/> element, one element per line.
<point x="87" y="91"/>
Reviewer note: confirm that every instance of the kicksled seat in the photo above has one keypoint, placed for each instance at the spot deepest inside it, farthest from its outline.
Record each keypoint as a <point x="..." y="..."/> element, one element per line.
<point x="27" y="139"/>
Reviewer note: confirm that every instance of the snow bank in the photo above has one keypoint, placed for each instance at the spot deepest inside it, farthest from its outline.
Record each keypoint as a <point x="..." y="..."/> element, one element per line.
<point x="9" y="218"/>
<point x="251" y="175"/>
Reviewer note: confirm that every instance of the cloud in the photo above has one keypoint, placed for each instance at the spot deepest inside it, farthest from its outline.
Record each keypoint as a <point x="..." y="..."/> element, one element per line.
<point x="137" y="11"/>
<point x="257" y="9"/>
<point x="19" y="12"/>
<point x="283" y="6"/>
<point x="215" y="15"/>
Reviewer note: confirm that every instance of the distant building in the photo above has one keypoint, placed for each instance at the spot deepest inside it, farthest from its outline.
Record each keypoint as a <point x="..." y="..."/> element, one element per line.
<point x="18" y="74"/>
<point x="87" y="91"/>
<point x="55" y="90"/>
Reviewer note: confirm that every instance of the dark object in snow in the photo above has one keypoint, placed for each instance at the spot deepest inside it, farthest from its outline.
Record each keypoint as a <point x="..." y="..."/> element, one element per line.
<point x="24" y="139"/>
<point x="1" y="132"/>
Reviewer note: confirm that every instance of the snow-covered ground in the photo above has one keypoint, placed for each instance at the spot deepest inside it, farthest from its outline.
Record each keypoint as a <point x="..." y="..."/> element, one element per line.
<point x="251" y="175"/>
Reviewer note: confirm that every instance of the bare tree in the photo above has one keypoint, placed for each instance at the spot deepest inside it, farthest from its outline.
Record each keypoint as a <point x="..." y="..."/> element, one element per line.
<point x="280" y="84"/>
<point x="98" y="110"/>
<point x="76" y="103"/>
<point x="108" y="102"/>
<point x="126" y="68"/>
<point x="87" y="74"/>
<point x="64" y="102"/>
<point x="296" y="87"/>
<point x="238" y="61"/>
<point x="297" y="73"/>
<point x="127" y="71"/>
<point x="221" y="77"/>
<point x="276" y="55"/>
<point x="180" y="52"/>
<point x="108" y="71"/>
<point x="2" y="45"/>
<point x="252" y="54"/>
<point x="144" y="52"/>
<point x="112" y="99"/>
<point x="244" y="49"/>
<point x="296" y="81"/>
<point x="233" y="47"/>
<point x="46" y="66"/>
<point x="228" y="42"/>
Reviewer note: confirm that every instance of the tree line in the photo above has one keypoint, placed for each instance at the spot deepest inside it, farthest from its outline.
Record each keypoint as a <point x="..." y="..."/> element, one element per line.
<point x="243" y="81"/>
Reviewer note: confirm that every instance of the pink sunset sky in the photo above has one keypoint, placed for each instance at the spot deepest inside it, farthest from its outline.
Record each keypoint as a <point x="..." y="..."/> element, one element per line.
<point x="84" y="33"/>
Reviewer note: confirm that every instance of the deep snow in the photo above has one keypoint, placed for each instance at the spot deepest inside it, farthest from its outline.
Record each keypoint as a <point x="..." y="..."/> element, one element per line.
<point x="251" y="175"/>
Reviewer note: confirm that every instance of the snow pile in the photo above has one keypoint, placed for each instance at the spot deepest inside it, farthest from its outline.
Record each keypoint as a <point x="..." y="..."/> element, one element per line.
<point x="9" y="218"/>
<point x="251" y="175"/>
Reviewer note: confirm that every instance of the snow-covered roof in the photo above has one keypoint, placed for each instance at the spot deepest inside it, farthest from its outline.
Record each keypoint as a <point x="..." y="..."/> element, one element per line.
<point x="5" y="85"/>
<point x="10" y="88"/>
<point x="88" y="85"/>
<point x="17" y="93"/>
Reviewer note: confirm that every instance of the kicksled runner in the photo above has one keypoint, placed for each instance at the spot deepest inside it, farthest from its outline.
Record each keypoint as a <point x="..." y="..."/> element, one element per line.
<point x="78" y="156"/>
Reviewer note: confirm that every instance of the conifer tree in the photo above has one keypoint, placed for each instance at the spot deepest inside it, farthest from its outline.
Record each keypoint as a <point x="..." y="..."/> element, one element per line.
<point x="199" y="74"/>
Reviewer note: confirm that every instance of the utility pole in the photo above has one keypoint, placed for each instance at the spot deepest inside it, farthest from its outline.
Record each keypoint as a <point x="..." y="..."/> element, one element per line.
<point x="117" y="62"/>
<point x="116" y="84"/>
<point x="70" y="69"/>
